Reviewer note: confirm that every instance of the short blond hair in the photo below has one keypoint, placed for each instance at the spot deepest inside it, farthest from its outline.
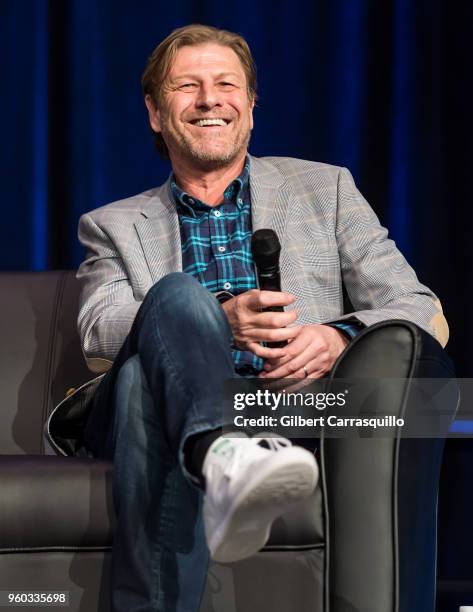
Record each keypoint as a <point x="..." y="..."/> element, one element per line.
<point x="159" y="62"/>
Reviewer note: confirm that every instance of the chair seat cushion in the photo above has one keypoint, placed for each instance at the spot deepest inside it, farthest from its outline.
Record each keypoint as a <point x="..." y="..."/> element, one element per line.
<point x="52" y="502"/>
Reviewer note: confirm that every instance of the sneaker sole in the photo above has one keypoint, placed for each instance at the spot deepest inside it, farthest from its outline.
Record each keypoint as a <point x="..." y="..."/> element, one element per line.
<point x="290" y="477"/>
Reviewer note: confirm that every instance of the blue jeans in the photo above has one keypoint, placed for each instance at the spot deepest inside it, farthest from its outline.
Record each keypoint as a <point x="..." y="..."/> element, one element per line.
<point x="164" y="386"/>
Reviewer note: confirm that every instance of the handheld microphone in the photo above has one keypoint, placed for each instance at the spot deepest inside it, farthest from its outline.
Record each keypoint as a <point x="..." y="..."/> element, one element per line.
<point x="265" y="248"/>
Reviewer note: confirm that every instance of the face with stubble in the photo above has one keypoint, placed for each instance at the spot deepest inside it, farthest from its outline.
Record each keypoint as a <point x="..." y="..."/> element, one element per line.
<point x="204" y="113"/>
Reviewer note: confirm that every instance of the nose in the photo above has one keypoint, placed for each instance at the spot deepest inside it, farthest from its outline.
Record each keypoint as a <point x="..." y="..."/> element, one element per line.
<point x="208" y="97"/>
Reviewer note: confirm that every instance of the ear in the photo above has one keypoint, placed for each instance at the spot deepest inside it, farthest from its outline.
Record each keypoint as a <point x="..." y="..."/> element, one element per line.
<point x="252" y="106"/>
<point x="153" y="114"/>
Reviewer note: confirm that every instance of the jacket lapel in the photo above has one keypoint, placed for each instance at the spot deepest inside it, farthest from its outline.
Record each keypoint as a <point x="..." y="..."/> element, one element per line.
<point x="158" y="230"/>
<point x="269" y="198"/>
<point x="158" y="225"/>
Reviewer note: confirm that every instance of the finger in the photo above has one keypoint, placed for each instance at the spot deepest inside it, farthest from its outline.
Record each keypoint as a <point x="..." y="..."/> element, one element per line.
<point x="310" y="376"/>
<point x="272" y="319"/>
<point x="265" y="352"/>
<point x="273" y="335"/>
<point x="258" y="300"/>
<point x="298" y="347"/>
<point x="293" y="368"/>
<point x="271" y="364"/>
<point x="316" y="374"/>
<point x="317" y="368"/>
<point x="314" y="368"/>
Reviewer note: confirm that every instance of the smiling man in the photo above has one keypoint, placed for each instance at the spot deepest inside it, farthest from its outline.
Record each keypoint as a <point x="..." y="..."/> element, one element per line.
<point x="169" y="295"/>
<point x="204" y="111"/>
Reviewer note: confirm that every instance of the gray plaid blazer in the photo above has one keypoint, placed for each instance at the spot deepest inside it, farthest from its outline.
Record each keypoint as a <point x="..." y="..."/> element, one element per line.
<point x="330" y="238"/>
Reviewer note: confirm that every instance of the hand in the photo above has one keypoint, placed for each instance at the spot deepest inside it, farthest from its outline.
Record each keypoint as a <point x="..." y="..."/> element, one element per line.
<point x="316" y="347"/>
<point x="250" y="326"/>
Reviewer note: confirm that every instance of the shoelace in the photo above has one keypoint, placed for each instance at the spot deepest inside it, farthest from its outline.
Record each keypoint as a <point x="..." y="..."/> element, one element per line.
<point x="274" y="444"/>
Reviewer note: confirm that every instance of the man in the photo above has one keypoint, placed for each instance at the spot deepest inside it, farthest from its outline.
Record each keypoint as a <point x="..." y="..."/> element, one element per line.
<point x="167" y="332"/>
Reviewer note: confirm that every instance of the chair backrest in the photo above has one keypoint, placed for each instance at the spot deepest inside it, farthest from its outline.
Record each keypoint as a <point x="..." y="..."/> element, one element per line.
<point x="40" y="355"/>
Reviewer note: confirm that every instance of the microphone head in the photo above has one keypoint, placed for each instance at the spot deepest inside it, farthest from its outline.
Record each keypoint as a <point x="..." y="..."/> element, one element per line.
<point x="265" y="248"/>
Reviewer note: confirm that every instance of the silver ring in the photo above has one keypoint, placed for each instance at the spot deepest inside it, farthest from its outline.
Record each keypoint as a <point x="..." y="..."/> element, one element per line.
<point x="305" y="371"/>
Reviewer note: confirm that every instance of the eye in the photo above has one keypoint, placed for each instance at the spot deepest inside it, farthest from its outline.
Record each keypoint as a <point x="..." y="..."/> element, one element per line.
<point x="187" y="86"/>
<point x="226" y="85"/>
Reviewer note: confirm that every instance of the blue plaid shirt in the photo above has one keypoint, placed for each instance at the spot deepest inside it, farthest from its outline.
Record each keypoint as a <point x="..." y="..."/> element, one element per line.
<point x="216" y="246"/>
<point x="216" y="249"/>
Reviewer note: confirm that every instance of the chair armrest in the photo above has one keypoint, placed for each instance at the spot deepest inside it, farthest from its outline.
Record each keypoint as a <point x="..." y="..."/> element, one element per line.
<point x="380" y="494"/>
<point x="50" y="502"/>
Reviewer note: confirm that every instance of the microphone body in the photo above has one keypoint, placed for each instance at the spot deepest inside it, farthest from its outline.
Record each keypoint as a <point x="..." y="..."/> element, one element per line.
<point x="266" y="249"/>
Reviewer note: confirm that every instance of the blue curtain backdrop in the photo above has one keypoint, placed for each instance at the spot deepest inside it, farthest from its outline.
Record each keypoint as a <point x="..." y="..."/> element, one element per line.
<point x="382" y="87"/>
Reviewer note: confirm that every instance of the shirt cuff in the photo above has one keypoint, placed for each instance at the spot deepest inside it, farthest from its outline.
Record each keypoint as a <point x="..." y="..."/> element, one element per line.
<point x="349" y="328"/>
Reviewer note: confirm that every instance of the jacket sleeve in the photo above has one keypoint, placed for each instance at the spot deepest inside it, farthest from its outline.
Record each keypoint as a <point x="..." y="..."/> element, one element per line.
<point x="380" y="283"/>
<point x="107" y="304"/>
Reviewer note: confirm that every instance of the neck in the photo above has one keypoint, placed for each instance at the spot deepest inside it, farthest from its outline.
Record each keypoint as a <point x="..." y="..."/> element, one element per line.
<point x="207" y="185"/>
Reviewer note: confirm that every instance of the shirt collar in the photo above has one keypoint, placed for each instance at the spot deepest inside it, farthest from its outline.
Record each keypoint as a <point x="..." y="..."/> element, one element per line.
<point x="234" y="193"/>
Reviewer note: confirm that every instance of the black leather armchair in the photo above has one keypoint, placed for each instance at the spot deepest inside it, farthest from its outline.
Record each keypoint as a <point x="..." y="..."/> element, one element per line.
<point x="364" y="542"/>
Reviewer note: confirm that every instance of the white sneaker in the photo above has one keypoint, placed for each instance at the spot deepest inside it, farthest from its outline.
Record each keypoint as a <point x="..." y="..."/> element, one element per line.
<point x="247" y="487"/>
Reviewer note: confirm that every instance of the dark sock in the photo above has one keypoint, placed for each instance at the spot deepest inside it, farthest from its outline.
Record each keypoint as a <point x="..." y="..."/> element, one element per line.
<point x="195" y="450"/>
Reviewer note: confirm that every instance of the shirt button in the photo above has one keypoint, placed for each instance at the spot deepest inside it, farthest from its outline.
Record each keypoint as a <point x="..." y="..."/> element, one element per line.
<point x="217" y="213"/>
<point x="240" y="201"/>
<point x="227" y="286"/>
<point x="191" y="201"/>
<point x="222" y="249"/>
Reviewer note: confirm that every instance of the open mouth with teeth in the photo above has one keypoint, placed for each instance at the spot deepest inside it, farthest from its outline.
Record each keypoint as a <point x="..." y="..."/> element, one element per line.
<point x="211" y="122"/>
